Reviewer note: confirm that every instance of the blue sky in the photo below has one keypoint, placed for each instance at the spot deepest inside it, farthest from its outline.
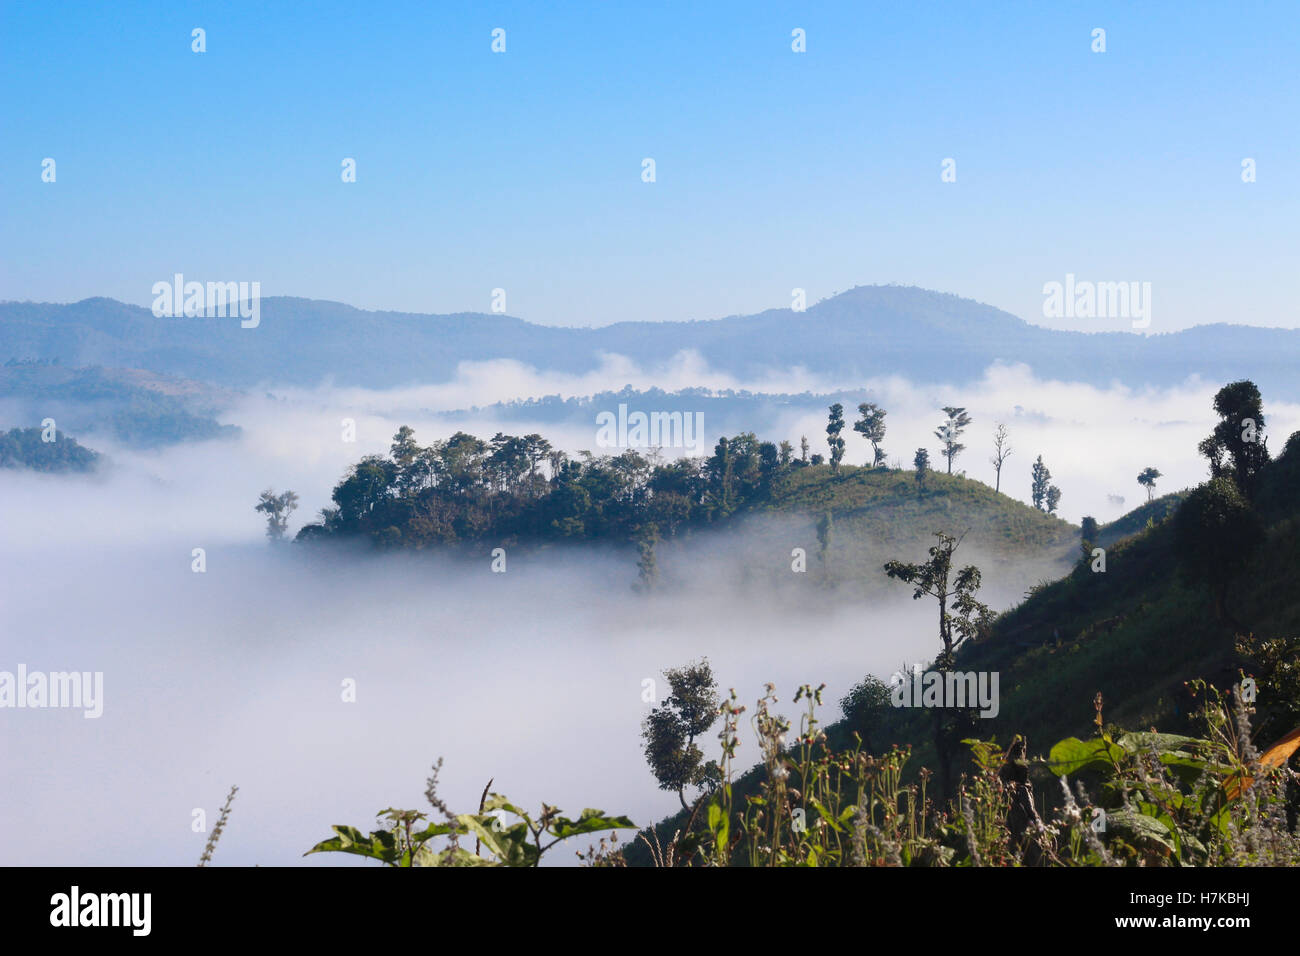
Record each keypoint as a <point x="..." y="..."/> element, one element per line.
<point x="775" y="169"/>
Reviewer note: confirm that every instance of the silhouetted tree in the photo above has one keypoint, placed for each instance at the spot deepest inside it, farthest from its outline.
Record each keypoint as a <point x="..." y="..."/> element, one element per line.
<point x="825" y="533"/>
<point x="1217" y="533"/>
<point x="872" y="427"/>
<point x="1147" y="479"/>
<point x="1041" y="482"/>
<point x="866" y="707"/>
<point x="277" y="509"/>
<point x="670" y="730"/>
<point x="1237" y="446"/>
<point x="835" y="425"/>
<point x="962" y="617"/>
<point x="647" y="568"/>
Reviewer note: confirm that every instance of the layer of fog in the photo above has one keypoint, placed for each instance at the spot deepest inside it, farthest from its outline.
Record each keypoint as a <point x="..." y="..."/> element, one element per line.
<point x="532" y="677"/>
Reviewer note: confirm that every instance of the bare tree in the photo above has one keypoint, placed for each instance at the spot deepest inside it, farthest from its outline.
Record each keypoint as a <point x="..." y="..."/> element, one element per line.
<point x="1001" y="452"/>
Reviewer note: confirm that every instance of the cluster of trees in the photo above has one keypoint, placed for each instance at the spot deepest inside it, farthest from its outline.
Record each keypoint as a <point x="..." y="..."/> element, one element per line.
<point x="26" y="448"/>
<point x="465" y="489"/>
<point x="871" y="425"/>
<point x="1217" y="528"/>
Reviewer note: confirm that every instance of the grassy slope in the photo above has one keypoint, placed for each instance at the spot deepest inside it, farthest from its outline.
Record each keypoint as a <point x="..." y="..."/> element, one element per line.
<point x="1134" y="633"/>
<point x="880" y="514"/>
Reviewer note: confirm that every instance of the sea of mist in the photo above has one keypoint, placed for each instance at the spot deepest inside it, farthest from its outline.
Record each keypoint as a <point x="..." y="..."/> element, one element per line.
<point x="532" y="678"/>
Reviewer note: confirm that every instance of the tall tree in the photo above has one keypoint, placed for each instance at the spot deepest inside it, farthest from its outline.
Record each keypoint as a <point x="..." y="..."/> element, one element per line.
<point x="277" y="509"/>
<point x="835" y="425"/>
<point x="647" y="568"/>
<point x="950" y="431"/>
<point x="1041" y="482"/>
<point x="1217" y="533"/>
<point x="1088" y="534"/>
<point x="962" y="617"/>
<point x="1147" y="479"/>
<point x="670" y="730"/>
<point x="871" y="426"/>
<point x="1053" y="499"/>
<point x="825" y="533"/>
<point x="1001" y="452"/>
<point x="922" y="463"/>
<point x="1237" y="446"/>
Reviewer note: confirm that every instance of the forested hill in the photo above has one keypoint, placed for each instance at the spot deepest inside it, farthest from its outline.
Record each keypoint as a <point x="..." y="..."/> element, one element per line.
<point x="1198" y="586"/>
<point x="28" y="448"/>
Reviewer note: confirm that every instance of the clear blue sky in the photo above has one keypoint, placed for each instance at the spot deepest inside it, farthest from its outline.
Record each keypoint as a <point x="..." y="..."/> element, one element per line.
<point x="522" y="170"/>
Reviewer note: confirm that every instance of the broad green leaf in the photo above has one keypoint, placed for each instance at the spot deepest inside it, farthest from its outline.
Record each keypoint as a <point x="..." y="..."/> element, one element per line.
<point x="1073" y="755"/>
<point x="591" y="821"/>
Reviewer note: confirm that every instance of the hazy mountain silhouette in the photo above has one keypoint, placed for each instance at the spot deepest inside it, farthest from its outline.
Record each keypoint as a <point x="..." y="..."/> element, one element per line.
<point x="868" y="331"/>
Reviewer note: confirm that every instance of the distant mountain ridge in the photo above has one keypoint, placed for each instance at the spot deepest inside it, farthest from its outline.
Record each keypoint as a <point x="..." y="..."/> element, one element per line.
<point x="869" y="331"/>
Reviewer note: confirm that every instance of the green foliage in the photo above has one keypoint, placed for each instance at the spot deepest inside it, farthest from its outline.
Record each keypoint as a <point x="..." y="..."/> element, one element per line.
<point x="408" y="840"/>
<point x="24" y="448"/>
<point x="1147" y="479"/>
<point x="1042" y="478"/>
<point x="866" y="707"/>
<point x="277" y="509"/>
<point x="647" y="567"/>
<point x="871" y="426"/>
<point x="1217" y="533"/>
<point x="1237" y="447"/>
<point x="670" y="730"/>
<point x="921" y="462"/>
<point x="1163" y="800"/>
<point x="835" y="425"/>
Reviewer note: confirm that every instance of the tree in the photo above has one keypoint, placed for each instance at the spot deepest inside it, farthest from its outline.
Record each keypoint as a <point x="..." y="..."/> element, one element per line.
<point x="1041" y="480"/>
<point x="1053" y="499"/>
<point x="1089" y="531"/>
<point x="670" y="730"/>
<point x="647" y="567"/>
<point x="277" y="509"/>
<point x="866" y="707"/>
<point x="825" y="533"/>
<point x="404" y="451"/>
<point x="950" y="431"/>
<point x="1217" y="533"/>
<point x="1147" y="479"/>
<point x="967" y="619"/>
<point x="922" y="463"/>
<point x="803" y="449"/>
<point x="1001" y="452"/>
<point x="1237" y="446"/>
<point x="835" y="425"/>
<point x="872" y="427"/>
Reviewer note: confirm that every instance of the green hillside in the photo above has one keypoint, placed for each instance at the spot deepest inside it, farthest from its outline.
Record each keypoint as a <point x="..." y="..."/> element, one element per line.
<point x="878" y="514"/>
<point x="1135" y="633"/>
<point x="132" y="406"/>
